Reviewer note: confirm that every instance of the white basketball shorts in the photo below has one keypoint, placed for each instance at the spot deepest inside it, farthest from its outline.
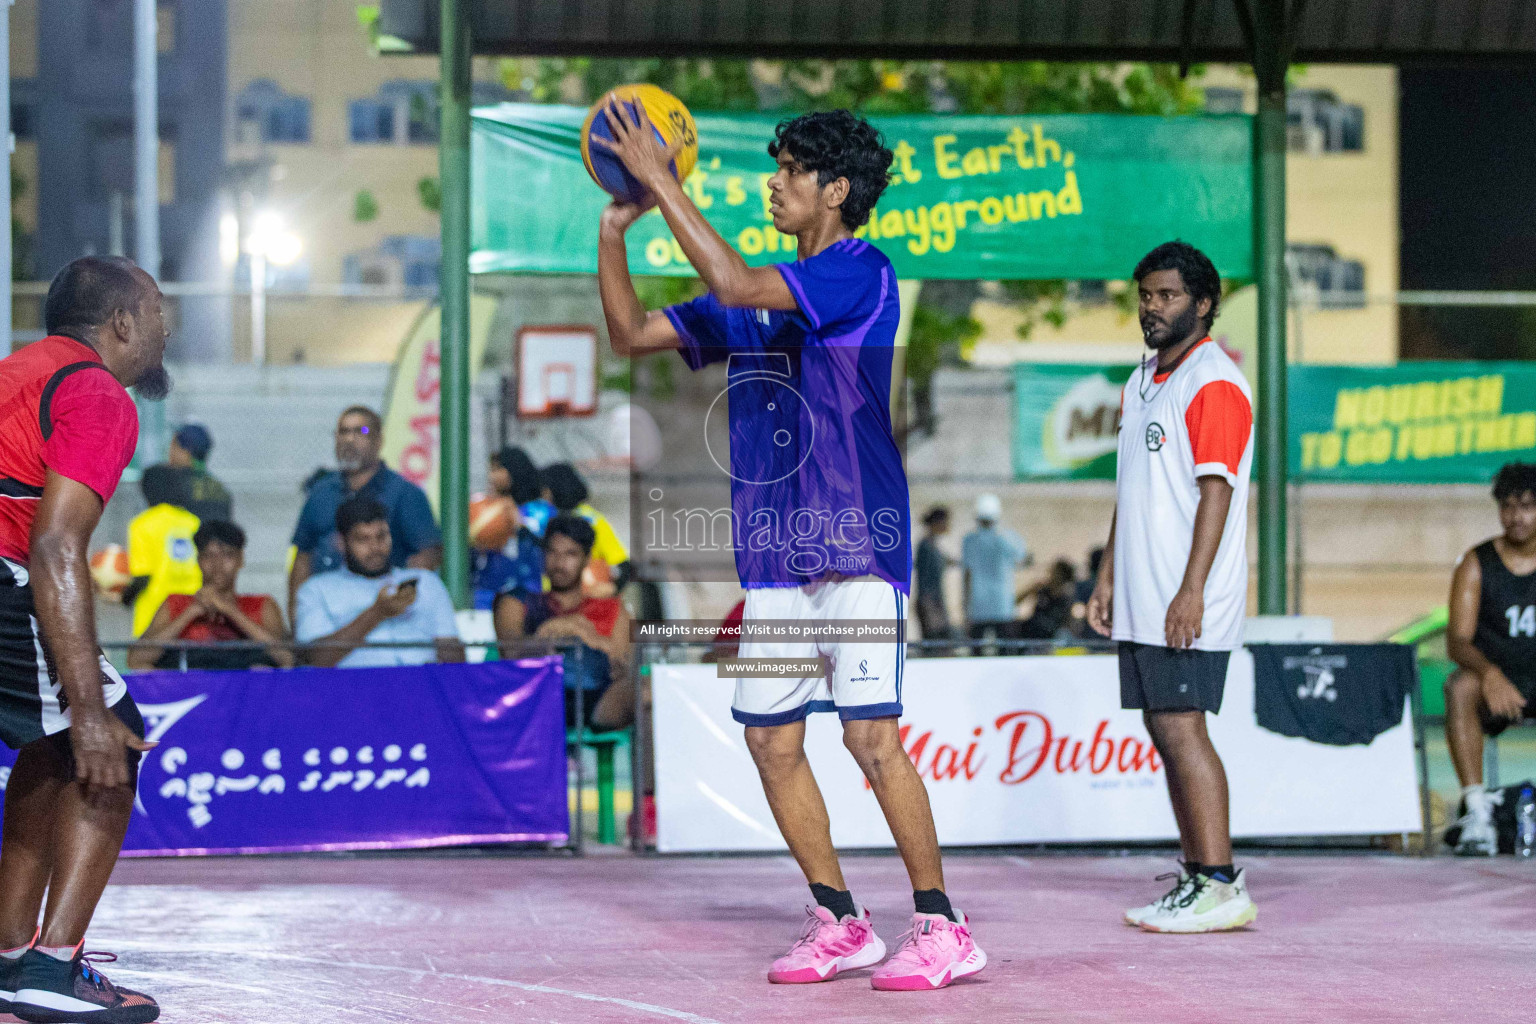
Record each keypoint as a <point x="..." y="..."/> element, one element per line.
<point x="863" y="678"/>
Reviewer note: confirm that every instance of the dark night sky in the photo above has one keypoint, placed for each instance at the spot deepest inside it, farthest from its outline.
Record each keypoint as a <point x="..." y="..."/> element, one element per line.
<point x="1468" y="208"/>
<point x="1468" y="178"/>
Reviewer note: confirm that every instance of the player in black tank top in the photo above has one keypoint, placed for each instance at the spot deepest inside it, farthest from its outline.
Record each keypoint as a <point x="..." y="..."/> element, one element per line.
<point x="1506" y="618"/>
<point x="1492" y="638"/>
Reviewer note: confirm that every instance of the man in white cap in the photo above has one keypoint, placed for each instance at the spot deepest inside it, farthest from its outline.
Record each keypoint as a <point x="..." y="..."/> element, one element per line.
<point x="990" y="554"/>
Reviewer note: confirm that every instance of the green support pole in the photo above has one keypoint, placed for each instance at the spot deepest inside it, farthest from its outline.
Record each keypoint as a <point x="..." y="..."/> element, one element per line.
<point x="1269" y="150"/>
<point x="453" y="169"/>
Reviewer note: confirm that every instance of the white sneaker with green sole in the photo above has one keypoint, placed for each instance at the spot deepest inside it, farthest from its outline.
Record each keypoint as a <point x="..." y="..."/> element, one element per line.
<point x="1182" y="878"/>
<point x="1206" y="905"/>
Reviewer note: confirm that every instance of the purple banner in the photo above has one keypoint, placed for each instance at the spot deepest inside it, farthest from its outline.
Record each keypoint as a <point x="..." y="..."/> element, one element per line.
<point x="351" y="759"/>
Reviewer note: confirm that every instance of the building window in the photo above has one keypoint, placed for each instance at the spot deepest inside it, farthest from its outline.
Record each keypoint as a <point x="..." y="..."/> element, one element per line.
<point x="109" y="158"/>
<point x="108" y="23"/>
<point x="1319" y="273"/>
<point x="1317" y="122"/>
<point x="265" y="113"/>
<point x="370" y="121"/>
<point x="402" y="113"/>
<point x="21" y="121"/>
<point x="403" y="262"/>
<point x="406" y="113"/>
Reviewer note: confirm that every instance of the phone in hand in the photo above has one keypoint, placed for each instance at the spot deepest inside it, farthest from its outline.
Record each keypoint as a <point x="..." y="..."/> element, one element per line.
<point x="407" y="587"/>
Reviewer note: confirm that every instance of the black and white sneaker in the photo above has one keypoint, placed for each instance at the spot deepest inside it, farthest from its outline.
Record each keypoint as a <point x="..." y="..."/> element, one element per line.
<point x="1479" y="837"/>
<point x="53" y="991"/>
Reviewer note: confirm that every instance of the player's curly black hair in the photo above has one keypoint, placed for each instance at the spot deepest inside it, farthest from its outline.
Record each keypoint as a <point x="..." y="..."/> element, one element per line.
<point x="1195" y="267"/>
<point x="837" y="144"/>
<point x="1514" y="479"/>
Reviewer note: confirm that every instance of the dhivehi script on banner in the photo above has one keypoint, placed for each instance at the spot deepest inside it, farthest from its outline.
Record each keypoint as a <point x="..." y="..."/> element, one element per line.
<point x="349" y="759"/>
<point x="1020" y="750"/>
<point x="990" y="197"/>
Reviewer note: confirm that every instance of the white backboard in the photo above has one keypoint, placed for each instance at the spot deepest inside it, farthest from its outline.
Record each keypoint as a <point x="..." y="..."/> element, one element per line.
<point x="556" y="371"/>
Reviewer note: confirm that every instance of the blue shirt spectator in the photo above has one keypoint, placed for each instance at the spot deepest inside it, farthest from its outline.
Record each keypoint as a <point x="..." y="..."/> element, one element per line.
<point x="417" y="541"/>
<point x="516" y="568"/>
<point x="370" y="602"/>
<point x="990" y="555"/>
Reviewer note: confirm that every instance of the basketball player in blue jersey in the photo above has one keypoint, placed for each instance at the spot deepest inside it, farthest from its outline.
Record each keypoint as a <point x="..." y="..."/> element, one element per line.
<point x="819" y="499"/>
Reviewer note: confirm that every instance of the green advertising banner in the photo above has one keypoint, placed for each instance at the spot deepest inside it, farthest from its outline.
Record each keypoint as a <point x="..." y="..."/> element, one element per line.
<point x="1066" y="417"/>
<point x="1410" y="423"/>
<point x="994" y="198"/>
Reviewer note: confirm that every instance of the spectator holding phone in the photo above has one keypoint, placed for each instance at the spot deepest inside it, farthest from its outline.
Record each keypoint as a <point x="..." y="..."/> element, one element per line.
<point x="368" y="601"/>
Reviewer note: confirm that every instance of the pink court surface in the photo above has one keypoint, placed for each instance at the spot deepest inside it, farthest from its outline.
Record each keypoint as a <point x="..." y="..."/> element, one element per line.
<point x="466" y="939"/>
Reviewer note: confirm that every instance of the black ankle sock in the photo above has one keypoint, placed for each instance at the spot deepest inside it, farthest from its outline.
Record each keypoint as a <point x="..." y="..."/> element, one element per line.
<point x="1220" y="872"/>
<point x="1191" y="867"/>
<point x="933" y="901"/>
<point x="838" y="901"/>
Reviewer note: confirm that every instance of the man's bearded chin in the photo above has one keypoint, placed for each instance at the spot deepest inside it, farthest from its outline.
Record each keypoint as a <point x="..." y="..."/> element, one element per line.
<point x="362" y="570"/>
<point x="153" y="384"/>
<point x="1177" y="331"/>
<point x="565" y="584"/>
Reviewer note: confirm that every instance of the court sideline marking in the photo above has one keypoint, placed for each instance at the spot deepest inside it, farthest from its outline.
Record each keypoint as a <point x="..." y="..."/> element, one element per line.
<point x="632" y="1004"/>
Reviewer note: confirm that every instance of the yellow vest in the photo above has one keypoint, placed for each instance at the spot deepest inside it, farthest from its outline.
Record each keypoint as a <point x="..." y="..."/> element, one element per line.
<point x="160" y="547"/>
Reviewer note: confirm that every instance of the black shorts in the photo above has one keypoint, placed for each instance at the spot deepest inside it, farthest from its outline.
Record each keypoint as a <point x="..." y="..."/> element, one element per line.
<point x="32" y="704"/>
<point x="1154" y="678"/>
<point x="1526" y="684"/>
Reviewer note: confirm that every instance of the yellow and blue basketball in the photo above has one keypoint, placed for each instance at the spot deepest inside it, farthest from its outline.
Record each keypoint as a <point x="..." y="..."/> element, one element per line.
<point x="669" y="119"/>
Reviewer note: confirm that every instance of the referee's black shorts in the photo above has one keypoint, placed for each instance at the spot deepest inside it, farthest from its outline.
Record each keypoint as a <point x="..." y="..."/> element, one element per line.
<point x="32" y="704"/>
<point x="1156" y="678"/>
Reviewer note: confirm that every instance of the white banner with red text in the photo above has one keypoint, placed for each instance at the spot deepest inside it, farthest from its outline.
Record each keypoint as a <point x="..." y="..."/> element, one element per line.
<point x="1020" y="750"/>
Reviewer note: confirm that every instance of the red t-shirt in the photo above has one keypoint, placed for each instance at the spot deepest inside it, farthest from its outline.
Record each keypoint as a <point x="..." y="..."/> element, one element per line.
<point x="61" y="410"/>
<point x="207" y="628"/>
<point x="602" y="612"/>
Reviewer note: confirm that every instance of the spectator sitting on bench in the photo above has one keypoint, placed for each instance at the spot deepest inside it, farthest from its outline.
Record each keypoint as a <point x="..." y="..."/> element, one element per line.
<point x="371" y="602"/>
<point x="216" y="613"/>
<point x="600" y="668"/>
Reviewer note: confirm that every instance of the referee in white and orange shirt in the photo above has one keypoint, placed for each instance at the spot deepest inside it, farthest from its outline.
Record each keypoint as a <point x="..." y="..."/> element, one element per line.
<point x="1173" y="586"/>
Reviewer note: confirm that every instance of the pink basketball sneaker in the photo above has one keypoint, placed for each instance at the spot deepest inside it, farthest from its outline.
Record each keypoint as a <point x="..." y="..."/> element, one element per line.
<point x="934" y="953"/>
<point x="828" y="947"/>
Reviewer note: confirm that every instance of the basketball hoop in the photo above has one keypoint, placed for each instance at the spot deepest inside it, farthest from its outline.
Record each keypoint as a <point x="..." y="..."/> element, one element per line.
<point x="556" y="372"/>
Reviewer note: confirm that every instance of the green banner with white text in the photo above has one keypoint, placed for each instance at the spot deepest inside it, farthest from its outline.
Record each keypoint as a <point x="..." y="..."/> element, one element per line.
<point x="986" y="197"/>
<point x="1431" y="422"/>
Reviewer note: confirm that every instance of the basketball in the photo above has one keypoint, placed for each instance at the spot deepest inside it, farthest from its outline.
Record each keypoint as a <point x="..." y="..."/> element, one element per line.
<point x="109" y="571"/>
<point x="493" y="519"/>
<point x="669" y="119"/>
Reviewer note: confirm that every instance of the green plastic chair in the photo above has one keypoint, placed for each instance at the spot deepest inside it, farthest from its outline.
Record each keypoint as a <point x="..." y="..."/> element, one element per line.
<point x="605" y="743"/>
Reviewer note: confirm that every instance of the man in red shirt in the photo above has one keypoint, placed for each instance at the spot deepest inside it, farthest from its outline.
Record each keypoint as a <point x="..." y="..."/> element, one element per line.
<point x="599" y="625"/>
<point x="67" y="430"/>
